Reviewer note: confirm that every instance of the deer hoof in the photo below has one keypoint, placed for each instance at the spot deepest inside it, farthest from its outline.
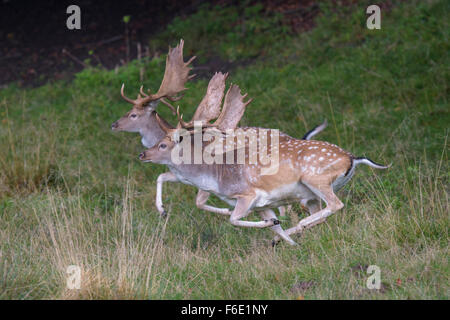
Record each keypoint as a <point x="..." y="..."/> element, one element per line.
<point x="163" y="214"/>
<point x="275" y="242"/>
<point x="274" y="221"/>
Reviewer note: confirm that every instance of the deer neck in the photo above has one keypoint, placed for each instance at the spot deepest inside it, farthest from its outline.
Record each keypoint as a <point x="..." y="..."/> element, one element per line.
<point x="224" y="180"/>
<point x="151" y="133"/>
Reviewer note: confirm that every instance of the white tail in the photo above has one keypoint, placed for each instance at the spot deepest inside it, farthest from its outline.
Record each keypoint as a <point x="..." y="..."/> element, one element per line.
<point x="315" y="130"/>
<point x="369" y="162"/>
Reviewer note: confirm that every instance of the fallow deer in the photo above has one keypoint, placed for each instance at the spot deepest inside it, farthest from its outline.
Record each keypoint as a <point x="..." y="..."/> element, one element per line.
<point x="142" y="117"/>
<point x="308" y="171"/>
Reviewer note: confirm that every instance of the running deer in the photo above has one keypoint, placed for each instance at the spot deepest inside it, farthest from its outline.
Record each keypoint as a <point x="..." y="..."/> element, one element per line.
<point x="142" y="117"/>
<point x="307" y="171"/>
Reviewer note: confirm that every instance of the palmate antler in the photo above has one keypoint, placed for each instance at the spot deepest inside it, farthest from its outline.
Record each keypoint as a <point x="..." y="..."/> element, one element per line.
<point x="175" y="77"/>
<point x="209" y="109"/>
<point x="233" y="109"/>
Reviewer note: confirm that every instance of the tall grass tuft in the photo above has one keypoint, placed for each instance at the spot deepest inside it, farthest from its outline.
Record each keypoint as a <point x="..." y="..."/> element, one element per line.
<point x="27" y="160"/>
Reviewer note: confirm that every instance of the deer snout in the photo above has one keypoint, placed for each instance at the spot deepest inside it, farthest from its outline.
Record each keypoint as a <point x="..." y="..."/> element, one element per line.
<point x="142" y="155"/>
<point x="114" y="126"/>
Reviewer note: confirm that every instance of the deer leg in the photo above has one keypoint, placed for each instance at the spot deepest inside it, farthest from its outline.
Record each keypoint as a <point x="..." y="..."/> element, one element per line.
<point x="164" y="177"/>
<point x="200" y="201"/>
<point x="269" y="214"/>
<point x="333" y="204"/>
<point x="283" y="210"/>
<point x="312" y="205"/>
<point x="242" y="209"/>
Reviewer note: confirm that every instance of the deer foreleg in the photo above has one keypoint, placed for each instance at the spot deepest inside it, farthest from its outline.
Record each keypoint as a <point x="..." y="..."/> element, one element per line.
<point x="242" y="209"/>
<point x="200" y="201"/>
<point x="164" y="177"/>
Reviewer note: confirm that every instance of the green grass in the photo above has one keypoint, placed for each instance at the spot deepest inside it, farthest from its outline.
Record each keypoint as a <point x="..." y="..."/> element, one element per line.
<point x="73" y="192"/>
<point x="232" y="33"/>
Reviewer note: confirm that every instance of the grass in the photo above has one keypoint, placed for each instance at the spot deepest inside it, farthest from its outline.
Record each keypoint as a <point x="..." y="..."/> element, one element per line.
<point x="73" y="192"/>
<point x="232" y="33"/>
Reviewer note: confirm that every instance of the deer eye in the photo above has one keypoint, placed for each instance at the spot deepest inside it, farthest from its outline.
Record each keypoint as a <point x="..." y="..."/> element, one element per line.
<point x="163" y="146"/>
<point x="133" y="115"/>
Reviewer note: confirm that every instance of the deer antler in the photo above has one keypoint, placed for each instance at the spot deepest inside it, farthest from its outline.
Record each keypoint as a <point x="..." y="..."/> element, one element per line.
<point x="163" y="124"/>
<point x="176" y="73"/>
<point x="175" y="77"/>
<point x="141" y="90"/>
<point x="209" y="109"/>
<point x="124" y="96"/>
<point x="233" y="109"/>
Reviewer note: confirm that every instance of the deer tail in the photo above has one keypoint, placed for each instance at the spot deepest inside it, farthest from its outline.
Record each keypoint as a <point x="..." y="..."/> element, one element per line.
<point x="315" y="130"/>
<point x="369" y="162"/>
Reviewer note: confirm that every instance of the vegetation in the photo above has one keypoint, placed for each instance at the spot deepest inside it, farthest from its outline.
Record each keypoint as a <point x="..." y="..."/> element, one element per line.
<point x="73" y="193"/>
<point x="234" y="32"/>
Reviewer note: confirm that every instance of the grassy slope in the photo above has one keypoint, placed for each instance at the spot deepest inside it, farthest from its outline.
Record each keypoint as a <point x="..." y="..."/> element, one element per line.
<point x="72" y="192"/>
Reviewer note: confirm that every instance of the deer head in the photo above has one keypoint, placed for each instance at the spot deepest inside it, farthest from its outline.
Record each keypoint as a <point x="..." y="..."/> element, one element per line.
<point x="162" y="151"/>
<point x="175" y="77"/>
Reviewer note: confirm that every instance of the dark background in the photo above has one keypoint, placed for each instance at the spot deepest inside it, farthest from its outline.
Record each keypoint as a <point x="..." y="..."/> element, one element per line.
<point x="33" y="34"/>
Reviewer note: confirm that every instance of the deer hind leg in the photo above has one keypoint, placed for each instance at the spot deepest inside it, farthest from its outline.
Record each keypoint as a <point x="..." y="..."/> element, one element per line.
<point x="284" y="209"/>
<point x="332" y="202"/>
<point x="242" y="209"/>
<point x="312" y="205"/>
<point x="200" y="201"/>
<point x="269" y="214"/>
<point x="164" y="177"/>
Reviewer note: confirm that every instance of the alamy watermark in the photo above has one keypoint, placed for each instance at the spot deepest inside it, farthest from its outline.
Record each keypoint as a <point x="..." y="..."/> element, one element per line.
<point x="74" y="20"/>
<point x="234" y="146"/>
<point x="374" y="280"/>
<point x="73" y="280"/>
<point x="374" y="20"/>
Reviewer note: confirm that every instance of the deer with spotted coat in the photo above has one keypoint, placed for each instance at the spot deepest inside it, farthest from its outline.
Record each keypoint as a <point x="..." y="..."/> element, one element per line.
<point x="142" y="116"/>
<point x="307" y="171"/>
